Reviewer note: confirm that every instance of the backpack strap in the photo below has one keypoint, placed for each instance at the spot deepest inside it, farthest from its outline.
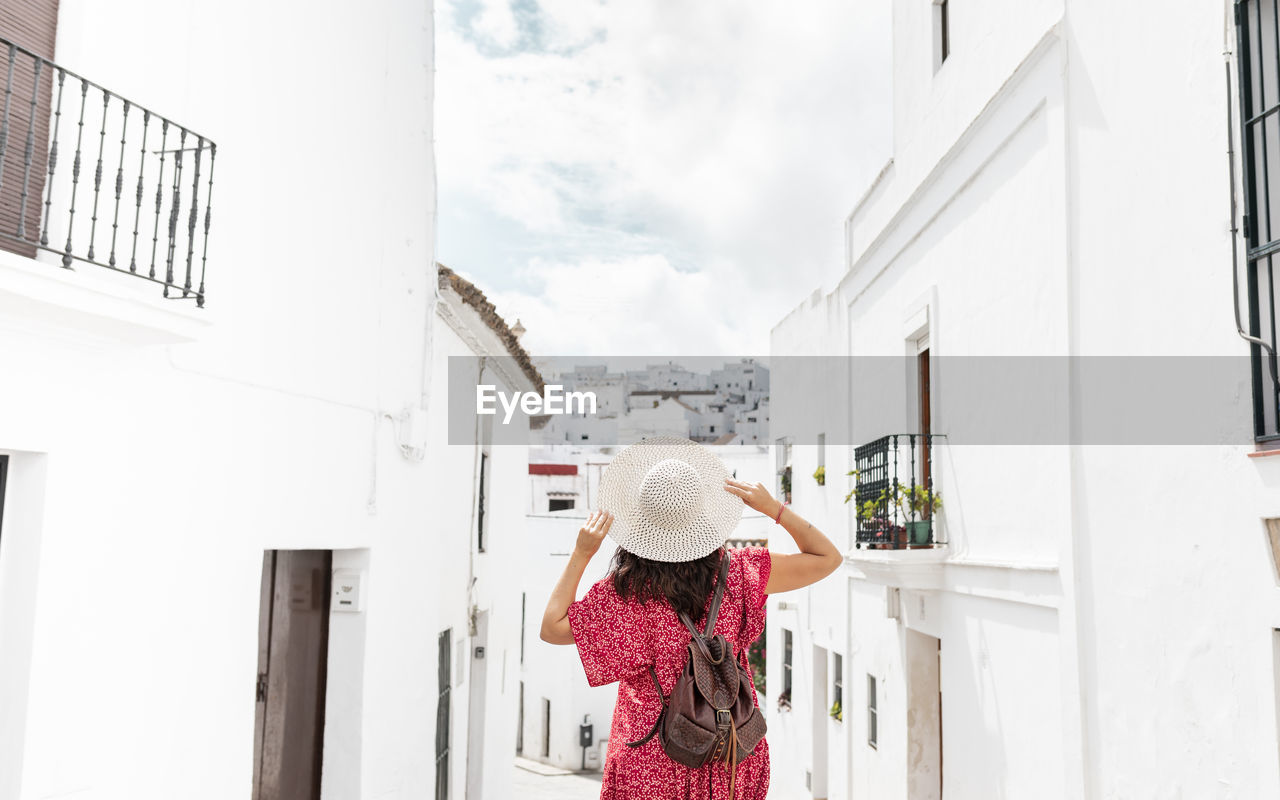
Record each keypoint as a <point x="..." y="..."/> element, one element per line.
<point x="715" y="601"/>
<point x="721" y="579"/>
<point x="657" y="723"/>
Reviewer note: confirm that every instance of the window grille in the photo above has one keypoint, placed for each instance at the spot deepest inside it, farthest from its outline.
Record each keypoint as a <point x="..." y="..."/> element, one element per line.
<point x="1258" y="63"/>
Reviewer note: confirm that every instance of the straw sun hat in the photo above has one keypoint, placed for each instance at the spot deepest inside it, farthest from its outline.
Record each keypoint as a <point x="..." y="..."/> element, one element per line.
<point x="668" y="500"/>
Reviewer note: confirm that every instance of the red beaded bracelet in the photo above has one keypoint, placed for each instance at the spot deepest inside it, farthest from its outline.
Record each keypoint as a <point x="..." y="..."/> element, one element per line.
<point x="778" y="519"/>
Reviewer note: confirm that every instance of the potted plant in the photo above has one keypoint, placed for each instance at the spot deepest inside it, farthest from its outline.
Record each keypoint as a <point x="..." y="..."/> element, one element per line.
<point x="820" y="475"/>
<point x="890" y="535"/>
<point x="920" y="504"/>
<point x="835" y="712"/>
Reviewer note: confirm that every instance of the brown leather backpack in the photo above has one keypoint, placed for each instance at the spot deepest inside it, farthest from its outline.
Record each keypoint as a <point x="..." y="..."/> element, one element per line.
<point x="709" y="715"/>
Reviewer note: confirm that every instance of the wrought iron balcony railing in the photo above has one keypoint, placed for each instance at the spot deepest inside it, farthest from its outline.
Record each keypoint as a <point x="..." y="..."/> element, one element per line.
<point x="896" y="504"/>
<point x="84" y="212"/>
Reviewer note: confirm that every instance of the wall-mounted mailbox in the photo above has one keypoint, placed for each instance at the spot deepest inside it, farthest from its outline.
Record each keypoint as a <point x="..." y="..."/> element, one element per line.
<point x="586" y="734"/>
<point x="348" y="590"/>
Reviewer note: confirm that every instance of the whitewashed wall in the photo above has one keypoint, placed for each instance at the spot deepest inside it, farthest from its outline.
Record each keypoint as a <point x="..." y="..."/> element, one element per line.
<point x="1106" y="614"/>
<point x="173" y="446"/>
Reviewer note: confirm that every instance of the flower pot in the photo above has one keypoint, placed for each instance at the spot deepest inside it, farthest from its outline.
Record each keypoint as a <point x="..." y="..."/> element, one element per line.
<point x="920" y="533"/>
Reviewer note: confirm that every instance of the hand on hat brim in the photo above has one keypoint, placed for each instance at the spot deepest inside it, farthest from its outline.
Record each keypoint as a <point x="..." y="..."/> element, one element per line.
<point x="754" y="495"/>
<point x="593" y="532"/>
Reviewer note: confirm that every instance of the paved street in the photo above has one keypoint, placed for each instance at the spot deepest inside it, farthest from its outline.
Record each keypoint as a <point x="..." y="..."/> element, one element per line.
<point x="534" y="786"/>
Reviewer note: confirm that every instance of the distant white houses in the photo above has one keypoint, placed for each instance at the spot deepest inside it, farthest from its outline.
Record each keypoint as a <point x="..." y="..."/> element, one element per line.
<point x="664" y="399"/>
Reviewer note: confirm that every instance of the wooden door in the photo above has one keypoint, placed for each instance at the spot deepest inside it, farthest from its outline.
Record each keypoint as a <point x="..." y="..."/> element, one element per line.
<point x="31" y="25"/>
<point x="926" y="423"/>
<point x="293" y="650"/>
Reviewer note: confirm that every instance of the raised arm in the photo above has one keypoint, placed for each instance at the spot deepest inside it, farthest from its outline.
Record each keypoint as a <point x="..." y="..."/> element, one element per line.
<point x="817" y="558"/>
<point x="555" y="620"/>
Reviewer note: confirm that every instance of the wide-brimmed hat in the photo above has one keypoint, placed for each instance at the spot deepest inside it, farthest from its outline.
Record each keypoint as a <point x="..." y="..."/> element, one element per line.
<point x="668" y="500"/>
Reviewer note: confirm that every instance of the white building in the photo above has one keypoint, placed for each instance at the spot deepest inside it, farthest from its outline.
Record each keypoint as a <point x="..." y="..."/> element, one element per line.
<point x="752" y="424"/>
<point x="184" y="486"/>
<point x="666" y="416"/>
<point x="745" y="375"/>
<point x="1103" y="621"/>
<point x="667" y="376"/>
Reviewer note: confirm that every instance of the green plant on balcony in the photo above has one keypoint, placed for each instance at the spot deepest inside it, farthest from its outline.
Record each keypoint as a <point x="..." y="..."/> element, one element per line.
<point x="836" y="712"/>
<point x="919" y="500"/>
<point x="786" y="484"/>
<point x="919" y="505"/>
<point x="820" y="475"/>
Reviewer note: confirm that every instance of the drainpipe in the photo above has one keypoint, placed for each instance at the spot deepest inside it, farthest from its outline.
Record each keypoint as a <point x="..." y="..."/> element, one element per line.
<point x="471" y="529"/>
<point x="1235" y="235"/>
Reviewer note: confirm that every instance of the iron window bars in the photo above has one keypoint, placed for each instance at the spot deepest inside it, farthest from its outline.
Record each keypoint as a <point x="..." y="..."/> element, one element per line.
<point x="47" y="108"/>
<point x="1258" y="62"/>
<point x="894" y="494"/>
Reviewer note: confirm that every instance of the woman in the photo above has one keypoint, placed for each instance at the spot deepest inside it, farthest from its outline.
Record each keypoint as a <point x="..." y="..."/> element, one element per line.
<point x="670" y="504"/>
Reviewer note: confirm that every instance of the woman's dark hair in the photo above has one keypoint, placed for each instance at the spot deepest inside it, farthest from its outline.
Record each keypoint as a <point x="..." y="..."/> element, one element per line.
<point x="684" y="585"/>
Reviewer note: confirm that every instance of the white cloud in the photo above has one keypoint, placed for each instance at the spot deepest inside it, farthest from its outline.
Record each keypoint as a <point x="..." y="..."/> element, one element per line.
<point x="633" y="306"/>
<point x="620" y="138"/>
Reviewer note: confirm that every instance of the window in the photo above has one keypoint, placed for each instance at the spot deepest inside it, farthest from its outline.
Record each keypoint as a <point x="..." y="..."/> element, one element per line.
<point x="786" y="662"/>
<point x="837" y="686"/>
<point x="1259" y="98"/>
<point x="783" y="451"/>
<point x="871" y="711"/>
<point x="941" y="32"/>
<point x="560" y="504"/>
<point x="481" y="502"/>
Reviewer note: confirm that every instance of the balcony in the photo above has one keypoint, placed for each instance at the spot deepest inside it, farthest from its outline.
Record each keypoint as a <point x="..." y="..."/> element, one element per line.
<point x="895" y="503"/>
<point x="90" y="177"/>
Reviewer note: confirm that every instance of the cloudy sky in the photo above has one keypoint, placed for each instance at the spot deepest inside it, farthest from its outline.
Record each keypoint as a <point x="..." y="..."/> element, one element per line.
<point x="652" y="177"/>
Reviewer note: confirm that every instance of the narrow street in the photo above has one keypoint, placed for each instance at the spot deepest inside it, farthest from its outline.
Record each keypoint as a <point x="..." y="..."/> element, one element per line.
<point x="536" y="781"/>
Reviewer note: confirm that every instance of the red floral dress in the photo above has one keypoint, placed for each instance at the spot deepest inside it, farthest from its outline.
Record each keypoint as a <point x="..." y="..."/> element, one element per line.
<point x="618" y="640"/>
